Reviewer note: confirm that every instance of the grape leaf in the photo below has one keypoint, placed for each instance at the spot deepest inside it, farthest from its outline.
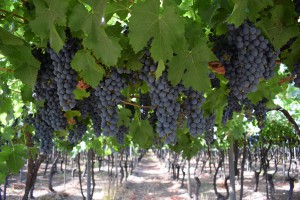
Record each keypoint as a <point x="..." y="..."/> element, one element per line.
<point x="9" y="39"/>
<point x="247" y="9"/>
<point x="294" y="55"/>
<point x="84" y="63"/>
<point x="191" y="66"/>
<point x="5" y="105"/>
<point x="276" y="29"/>
<point x="25" y="65"/>
<point x="124" y="117"/>
<point x="121" y="8"/>
<point x="72" y="113"/>
<point x="206" y="9"/>
<point x="105" y="48"/>
<point x="165" y="26"/>
<point x="15" y="160"/>
<point x="80" y="94"/>
<point x="50" y="14"/>
<point x="141" y="132"/>
<point x="129" y="59"/>
<point x="160" y="68"/>
<point x="193" y="32"/>
<point x="26" y="93"/>
<point x="215" y="103"/>
<point x="268" y="89"/>
<point x="27" y="73"/>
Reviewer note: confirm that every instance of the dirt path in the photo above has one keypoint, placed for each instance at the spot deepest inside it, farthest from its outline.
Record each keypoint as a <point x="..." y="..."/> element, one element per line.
<point x="151" y="181"/>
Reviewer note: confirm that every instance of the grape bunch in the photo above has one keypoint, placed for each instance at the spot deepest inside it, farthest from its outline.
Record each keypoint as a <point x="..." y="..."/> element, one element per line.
<point x="233" y="105"/>
<point x="88" y="108"/>
<point x="45" y="78"/>
<point x="52" y="112"/>
<point x="296" y="73"/>
<point x="149" y="66"/>
<point x="193" y="106"/>
<point x="44" y="132"/>
<point x="45" y="89"/>
<point x="248" y="108"/>
<point x="109" y="96"/>
<point x="261" y="112"/>
<point x="252" y="57"/>
<point x="297" y="6"/>
<point x="145" y="100"/>
<point x="214" y="81"/>
<point x="120" y="135"/>
<point x="65" y="76"/>
<point x="209" y="128"/>
<point x="76" y="134"/>
<point x="164" y="99"/>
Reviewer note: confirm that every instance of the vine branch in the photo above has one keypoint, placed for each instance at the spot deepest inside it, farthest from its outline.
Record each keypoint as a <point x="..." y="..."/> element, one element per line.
<point x="289" y="118"/>
<point x="5" y="69"/>
<point x="15" y="15"/>
<point x="136" y="105"/>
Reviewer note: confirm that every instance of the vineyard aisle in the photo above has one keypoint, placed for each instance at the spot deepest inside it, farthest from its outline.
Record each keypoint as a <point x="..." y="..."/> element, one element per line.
<point x="151" y="180"/>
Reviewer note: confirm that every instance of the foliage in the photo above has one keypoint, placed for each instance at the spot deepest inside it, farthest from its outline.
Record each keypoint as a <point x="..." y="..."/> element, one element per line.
<point x="117" y="33"/>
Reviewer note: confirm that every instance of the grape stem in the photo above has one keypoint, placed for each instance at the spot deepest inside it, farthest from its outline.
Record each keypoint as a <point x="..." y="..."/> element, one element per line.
<point x="15" y="15"/>
<point x="286" y="79"/>
<point x="289" y="118"/>
<point x="135" y="105"/>
<point x="5" y="69"/>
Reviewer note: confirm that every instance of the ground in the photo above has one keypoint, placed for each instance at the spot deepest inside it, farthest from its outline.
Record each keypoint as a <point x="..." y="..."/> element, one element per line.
<point x="150" y="180"/>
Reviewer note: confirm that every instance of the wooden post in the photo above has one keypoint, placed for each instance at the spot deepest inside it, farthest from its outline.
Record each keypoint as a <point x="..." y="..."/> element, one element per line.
<point x="189" y="178"/>
<point x="231" y="171"/>
<point x="88" y="180"/>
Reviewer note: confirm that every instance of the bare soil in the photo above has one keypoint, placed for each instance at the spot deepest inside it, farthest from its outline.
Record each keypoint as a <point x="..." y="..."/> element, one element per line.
<point x="150" y="181"/>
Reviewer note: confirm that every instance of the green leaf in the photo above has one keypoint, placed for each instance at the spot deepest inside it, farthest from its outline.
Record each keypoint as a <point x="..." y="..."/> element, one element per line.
<point x="72" y="113"/>
<point x="5" y="153"/>
<point x="124" y="117"/>
<point x="85" y="64"/>
<point x="160" y="68"/>
<point x="80" y="94"/>
<point x="26" y="93"/>
<point x="25" y="65"/>
<point x="165" y="26"/>
<point x="293" y="56"/>
<point x="121" y="8"/>
<point x="5" y="105"/>
<point x="8" y="133"/>
<point x="50" y="15"/>
<point x="9" y="39"/>
<point x="206" y="9"/>
<point x="247" y="9"/>
<point x="194" y="32"/>
<point x="3" y="172"/>
<point x="103" y="46"/>
<point x="215" y="102"/>
<point x="268" y="89"/>
<point x="129" y="59"/>
<point x="191" y="66"/>
<point x="141" y="132"/>
<point x="27" y="73"/>
<point x="15" y="160"/>
<point x="277" y="28"/>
